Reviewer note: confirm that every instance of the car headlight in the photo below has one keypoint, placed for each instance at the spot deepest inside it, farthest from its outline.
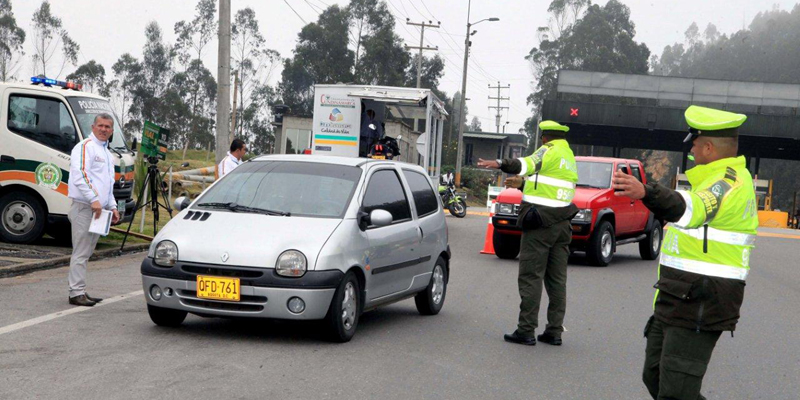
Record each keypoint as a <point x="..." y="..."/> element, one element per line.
<point x="584" y="215"/>
<point x="166" y="254"/>
<point x="291" y="263"/>
<point x="505" y="208"/>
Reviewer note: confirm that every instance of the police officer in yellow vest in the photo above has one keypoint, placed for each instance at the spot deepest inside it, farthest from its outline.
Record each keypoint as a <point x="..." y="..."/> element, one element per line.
<point x="705" y="257"/>
<point x="547" y="179"/>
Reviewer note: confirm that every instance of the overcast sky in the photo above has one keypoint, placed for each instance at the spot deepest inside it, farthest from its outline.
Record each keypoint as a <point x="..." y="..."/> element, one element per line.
<point x="105" y="29"/>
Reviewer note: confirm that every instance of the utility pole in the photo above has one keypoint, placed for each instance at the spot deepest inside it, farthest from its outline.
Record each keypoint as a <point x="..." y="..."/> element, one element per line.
<point x="233" y="113"/>
<point x="499" y="98"/>
<point x="223" y="79"/>
<point x="467" y="44"/>
<point x="421" y="48"/>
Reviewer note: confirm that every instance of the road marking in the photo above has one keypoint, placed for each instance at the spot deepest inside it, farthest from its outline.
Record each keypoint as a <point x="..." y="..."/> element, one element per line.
<point x="484" y="214"/>
<point x="779" y="235"/>
<point x="59" y="314"/>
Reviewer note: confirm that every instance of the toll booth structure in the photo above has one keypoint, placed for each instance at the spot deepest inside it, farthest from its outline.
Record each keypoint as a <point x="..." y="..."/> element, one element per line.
<point x="339" y="109"/>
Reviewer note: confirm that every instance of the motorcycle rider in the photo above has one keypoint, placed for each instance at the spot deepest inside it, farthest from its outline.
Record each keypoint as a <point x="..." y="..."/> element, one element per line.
<point x="371" y="132"/>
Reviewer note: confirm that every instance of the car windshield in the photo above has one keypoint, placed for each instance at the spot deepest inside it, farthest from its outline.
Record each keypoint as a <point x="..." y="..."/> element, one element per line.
<point x="594" y="174"/>
<point x="85" y="109"/>
<point x="285" y="188"/>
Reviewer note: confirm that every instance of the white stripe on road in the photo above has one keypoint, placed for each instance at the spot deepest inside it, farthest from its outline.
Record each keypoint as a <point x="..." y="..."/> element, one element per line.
<point x="59" y="314"/>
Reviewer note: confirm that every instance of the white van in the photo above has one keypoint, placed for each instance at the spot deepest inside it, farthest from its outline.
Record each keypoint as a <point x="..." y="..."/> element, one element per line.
<point x="40" y="123"/>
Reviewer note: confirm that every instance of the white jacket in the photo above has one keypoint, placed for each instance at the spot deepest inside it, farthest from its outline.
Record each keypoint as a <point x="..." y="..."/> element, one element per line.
<point x="228" y="164"/>
<point x="91" y="173"/>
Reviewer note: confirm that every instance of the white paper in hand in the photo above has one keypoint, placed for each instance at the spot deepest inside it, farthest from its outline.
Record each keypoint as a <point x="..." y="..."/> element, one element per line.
<point x="101" y="225"/>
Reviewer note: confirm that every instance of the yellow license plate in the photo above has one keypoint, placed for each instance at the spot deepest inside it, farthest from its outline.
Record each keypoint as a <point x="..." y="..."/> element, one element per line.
<point x="216" y="288"/>
<point x="378" y="157"/>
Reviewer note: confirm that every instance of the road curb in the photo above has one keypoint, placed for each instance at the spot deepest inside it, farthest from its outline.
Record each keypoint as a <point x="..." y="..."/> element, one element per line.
<point x="28" y="267"/>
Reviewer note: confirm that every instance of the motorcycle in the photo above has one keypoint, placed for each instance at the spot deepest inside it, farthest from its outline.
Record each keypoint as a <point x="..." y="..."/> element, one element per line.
<point x="385" y="148"/>
<point x="454" y="202"/>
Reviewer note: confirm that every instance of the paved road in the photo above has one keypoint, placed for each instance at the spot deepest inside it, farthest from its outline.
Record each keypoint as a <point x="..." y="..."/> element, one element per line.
<point x="113" y="351"/>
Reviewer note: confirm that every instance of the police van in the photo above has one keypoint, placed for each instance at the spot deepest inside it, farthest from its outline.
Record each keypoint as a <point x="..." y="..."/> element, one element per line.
<point x="40" y="123"/>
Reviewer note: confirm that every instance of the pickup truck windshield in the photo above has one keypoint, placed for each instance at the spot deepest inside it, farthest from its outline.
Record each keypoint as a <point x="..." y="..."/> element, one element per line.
<point x="594" y="174"/>
<point x="85" y="109"/>
<point x="285" y="188"/>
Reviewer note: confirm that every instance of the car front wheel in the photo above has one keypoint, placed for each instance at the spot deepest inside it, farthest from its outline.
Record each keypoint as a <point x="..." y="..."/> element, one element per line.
<point x="166" y="316"/>
<point x="600" y="250"/>
<point x="345" y="308"/>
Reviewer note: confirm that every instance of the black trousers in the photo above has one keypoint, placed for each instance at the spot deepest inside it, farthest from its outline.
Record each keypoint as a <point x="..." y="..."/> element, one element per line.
<point x="676" y="360"/>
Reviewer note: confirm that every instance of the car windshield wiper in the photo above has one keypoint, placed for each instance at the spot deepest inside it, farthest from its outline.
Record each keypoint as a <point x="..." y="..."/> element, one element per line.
<point x="115" y="151"/>
<point x="590" y="186"/>
<point x="238" y="208"/>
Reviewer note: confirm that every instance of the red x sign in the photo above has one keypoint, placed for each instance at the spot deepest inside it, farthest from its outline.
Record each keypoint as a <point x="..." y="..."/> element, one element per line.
<point x="573" y="112"/>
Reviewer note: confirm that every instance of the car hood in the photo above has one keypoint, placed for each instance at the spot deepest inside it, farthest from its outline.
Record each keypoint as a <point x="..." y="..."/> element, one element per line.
<point x="589" y="197"/>
<point x="249" y="240"/>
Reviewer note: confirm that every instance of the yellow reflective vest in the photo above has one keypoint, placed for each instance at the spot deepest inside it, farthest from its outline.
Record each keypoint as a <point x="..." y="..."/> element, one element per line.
<point x="551" y="175"/>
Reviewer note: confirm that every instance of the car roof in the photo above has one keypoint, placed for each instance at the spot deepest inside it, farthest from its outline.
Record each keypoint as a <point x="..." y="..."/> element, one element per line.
<point x="336" y="160"/>
<point x="605" y="159"/>
<point x="55" y="90"/>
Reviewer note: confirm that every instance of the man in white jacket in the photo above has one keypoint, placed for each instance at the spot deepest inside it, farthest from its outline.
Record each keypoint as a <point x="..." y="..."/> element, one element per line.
<point x="233" y="159"/>
<point x="91" y="187"/>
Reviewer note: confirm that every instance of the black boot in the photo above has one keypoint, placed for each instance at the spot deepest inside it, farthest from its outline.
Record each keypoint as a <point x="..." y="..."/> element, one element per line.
<point x="81" y="301"/>
<point x="549" y="339"/>
<point x="519" y="338"/>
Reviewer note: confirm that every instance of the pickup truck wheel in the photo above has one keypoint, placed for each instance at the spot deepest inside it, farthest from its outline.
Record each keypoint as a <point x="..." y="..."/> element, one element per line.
<point x="506" y="246"/>
<point x="650" y="247"/>
<point x="345" y="308"/>
<point x="601" y="245"/>
<point x="22" y="218"/>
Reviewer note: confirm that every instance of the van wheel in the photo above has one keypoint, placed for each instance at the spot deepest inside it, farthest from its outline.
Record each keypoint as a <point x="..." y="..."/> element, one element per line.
<point x="345" y="308"/>
<point x="166" y="316"/>
<point x="431" y="300"/>
<point x="650" y="247"/>
<point x="506" y="246"/>
<point x="600" y="250"/>
<point x="22" y="218"/>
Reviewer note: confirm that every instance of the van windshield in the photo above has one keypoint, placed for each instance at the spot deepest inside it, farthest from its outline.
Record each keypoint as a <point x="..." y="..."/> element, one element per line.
<point x="594" y="174"/>
<point x="85" y="109"/>
<point x="288" y="187"/>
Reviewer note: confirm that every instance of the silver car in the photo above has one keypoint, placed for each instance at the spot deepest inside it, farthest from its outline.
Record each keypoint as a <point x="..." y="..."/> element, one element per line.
<point x="302" y="238"/>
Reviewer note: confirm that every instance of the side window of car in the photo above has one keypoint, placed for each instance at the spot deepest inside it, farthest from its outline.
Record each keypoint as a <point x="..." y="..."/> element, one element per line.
<point x="637" y="173"/>
<point x="623" y="168"/>
<point x="46" y="121"/>
<point x="423" y="194"/>
<point x="385" y="192"/>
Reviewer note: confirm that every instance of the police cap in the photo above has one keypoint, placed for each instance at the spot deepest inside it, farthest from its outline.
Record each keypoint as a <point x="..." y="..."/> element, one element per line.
<point x="710" y="122"/>
<point x="553" y="128"/>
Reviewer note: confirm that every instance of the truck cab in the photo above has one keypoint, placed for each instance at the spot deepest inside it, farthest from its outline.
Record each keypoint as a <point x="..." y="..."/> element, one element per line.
<point x="604" y="221"/>
<point x="39" y="126"/>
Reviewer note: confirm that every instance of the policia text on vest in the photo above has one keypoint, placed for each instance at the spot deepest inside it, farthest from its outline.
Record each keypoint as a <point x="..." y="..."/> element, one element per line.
<point x="705" y="256"/>
<point x="547" y="179"/>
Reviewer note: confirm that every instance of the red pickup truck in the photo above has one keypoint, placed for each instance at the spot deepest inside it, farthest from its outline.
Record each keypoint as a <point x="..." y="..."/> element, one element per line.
<point x="604" y="221"/>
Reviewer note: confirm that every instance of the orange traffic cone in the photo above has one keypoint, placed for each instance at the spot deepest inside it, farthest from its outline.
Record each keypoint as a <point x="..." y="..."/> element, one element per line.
<point x="488" y="241"/>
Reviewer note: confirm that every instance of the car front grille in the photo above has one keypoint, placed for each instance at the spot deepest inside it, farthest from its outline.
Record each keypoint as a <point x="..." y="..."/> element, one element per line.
<point x="226" y="272"/>
<point x="213" y="305"/>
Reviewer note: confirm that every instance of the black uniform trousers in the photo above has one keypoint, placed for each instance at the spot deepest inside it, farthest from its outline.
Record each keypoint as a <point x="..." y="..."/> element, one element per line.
<point x="676" y="359"/>
<point x="543" y="257"/>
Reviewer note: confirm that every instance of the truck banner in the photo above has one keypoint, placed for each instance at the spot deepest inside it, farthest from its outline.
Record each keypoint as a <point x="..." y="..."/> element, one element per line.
<point x="337" y="120"/>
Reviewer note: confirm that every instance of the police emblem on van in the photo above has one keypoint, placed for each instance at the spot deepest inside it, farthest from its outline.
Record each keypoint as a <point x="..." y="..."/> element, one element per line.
<point x="48" y="175"/>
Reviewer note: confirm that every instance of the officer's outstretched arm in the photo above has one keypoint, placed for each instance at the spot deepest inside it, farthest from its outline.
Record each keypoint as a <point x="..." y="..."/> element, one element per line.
<point x="525" y="166"/>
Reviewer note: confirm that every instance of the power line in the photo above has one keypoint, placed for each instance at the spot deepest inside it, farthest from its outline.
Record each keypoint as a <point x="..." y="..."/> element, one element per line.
<point x="295" y="12"/>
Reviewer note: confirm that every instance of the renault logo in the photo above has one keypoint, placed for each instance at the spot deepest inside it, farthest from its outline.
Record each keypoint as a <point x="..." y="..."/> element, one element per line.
<point x="224" y="257"/>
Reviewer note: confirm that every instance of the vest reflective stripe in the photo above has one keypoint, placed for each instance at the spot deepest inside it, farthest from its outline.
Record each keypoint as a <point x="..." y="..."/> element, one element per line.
<point x="704" y="268"/>
<point x="686" y="218"/>
<point x="717" y="235"/>
<point x="539" y="179"/>
<point x="544" y="201"/>
<point x="524" y="162"/>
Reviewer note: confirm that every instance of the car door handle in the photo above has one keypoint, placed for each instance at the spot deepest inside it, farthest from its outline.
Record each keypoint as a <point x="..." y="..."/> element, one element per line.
<point x="7" y="159"/>
<point x="421" y="233"/>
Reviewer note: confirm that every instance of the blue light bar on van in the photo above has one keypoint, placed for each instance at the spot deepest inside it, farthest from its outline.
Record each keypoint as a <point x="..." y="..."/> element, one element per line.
<point x="36" y="80"/>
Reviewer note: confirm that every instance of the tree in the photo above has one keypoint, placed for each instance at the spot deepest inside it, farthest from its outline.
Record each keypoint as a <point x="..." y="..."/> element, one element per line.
<point x="254" y="64"/>
<point x="48" y="36"/>
<point x="321" y="56"/>
<point x="193" y="36"/>
<point x="601" y="39"/>
<point x="367" y="18"/>
<point x="12" y="37"/>
<point x="122" y="90"/>
<point x="91" y="75"/>
<point x="432" y="71"/>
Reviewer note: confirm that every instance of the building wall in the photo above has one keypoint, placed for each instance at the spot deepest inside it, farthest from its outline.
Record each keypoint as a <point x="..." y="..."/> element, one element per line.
<point x="407" y="142"/>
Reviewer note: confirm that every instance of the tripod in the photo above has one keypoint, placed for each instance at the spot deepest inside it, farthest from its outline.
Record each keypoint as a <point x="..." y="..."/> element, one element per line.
<point x="154" y="181"/>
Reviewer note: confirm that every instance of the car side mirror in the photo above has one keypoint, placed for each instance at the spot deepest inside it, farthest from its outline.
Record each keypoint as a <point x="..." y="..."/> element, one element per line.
<point x="380" y="218"/>
<point x="134" y="145"/>
<point x="182" y="203"/>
